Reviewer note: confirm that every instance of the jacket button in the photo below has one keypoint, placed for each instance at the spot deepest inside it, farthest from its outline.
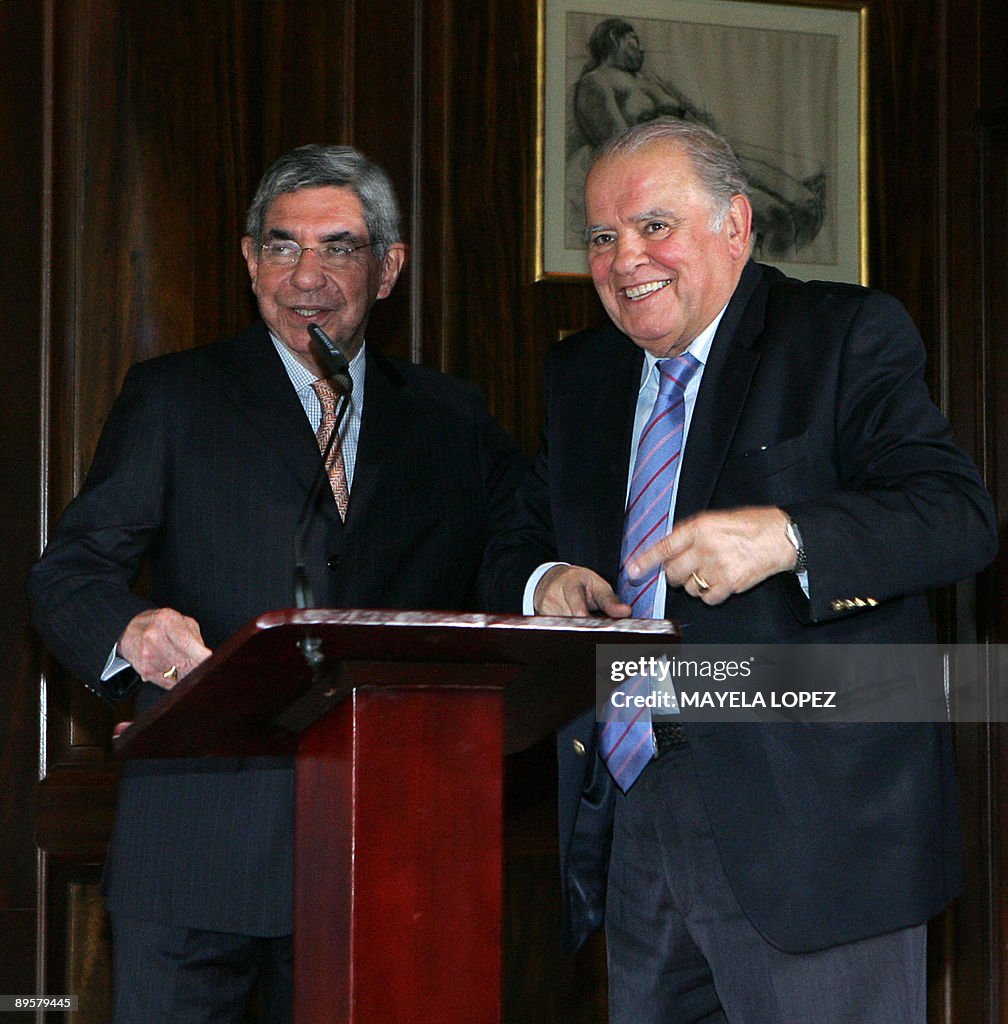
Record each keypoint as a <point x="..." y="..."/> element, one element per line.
<point x="333" y="563"/>
<point x="579" y="748"/>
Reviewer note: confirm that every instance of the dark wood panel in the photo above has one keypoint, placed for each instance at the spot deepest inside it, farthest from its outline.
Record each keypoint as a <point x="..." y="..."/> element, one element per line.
<point x="994" y="211"/>
<point x="382" y="57"/>
<point x="167" y="115"/>
<point x="542" y="984"/>
<point x="88" y="957"/>
<point x="76" y="940"/>
<point x="73" y="812"/>
<point x="967" y="953"/>
<point x="993" y="65"/>
<point x="502" y="323"/>
<point x="994" y="352"/>
<point x="17" y="939"/>
<point x="903" y="182"/>
<point x="20" y="275"/>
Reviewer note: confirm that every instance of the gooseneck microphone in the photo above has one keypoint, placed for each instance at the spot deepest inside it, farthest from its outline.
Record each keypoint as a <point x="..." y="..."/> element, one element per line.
<point x="337" y="367"/>
<point x="331" y="357"/>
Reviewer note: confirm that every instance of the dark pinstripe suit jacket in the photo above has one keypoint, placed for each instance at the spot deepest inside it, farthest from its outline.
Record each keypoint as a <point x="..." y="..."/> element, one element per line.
<point x="201" y="471"/>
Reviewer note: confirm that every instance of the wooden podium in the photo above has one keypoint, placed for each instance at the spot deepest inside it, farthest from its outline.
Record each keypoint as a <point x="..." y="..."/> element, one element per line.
<point x="399" y="722"/>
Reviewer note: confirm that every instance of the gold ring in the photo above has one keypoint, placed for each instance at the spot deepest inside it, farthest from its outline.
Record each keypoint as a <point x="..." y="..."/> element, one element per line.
<point x="701" y="583"/>
<point x="172" y="673"/>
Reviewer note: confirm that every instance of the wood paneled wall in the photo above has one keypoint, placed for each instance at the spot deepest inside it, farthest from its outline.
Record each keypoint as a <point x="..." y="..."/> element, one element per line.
<point x="20" y="325"/>
<point x="135" y="131"/>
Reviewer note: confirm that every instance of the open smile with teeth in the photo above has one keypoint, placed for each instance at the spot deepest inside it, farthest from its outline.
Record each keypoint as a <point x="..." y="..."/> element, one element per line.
<point x="305" y="311"/>
<point x="642" y="291"/>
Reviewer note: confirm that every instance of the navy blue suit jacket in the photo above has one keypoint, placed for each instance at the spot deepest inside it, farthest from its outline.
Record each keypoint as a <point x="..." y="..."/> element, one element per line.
<point x="202" y="469"/>
<point x="813" y="399"/>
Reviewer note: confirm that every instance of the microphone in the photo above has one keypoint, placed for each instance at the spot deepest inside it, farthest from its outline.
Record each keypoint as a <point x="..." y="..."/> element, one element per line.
<point x="332" y="358"/>
<point x="337" y="367"/>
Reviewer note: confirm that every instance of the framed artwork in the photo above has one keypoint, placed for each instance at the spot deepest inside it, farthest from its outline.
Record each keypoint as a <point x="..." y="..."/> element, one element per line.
<point x="784" y="83"/>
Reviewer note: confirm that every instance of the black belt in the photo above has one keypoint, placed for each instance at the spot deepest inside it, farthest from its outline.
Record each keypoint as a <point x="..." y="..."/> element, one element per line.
<point x="668" y="736"/>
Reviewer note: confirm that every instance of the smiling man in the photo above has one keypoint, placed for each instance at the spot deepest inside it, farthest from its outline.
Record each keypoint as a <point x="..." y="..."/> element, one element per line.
<point x="337" y="286"/>
<point x="756" y="459"/>
<point x="203" y="467"/>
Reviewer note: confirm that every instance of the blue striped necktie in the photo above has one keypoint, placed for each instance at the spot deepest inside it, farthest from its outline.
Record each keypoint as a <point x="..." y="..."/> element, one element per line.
<point x="627" y="743"/>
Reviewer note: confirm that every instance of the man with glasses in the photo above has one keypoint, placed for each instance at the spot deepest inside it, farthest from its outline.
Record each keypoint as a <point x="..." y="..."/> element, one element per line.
<point x="200" y="475"/>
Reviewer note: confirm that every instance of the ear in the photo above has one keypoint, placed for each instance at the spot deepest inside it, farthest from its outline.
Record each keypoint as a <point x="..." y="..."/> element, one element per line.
<point x="251" y="254"/>
<point x="392" y="264"/>
<point x="738" y="225"/>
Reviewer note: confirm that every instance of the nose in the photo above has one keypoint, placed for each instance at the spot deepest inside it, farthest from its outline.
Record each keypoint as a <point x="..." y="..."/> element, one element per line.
<point x="307" y="274"/>
<point x="629" y="253"/>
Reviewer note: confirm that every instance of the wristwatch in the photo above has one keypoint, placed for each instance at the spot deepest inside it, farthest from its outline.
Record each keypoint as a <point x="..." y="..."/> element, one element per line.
<point x="801" y="563"/>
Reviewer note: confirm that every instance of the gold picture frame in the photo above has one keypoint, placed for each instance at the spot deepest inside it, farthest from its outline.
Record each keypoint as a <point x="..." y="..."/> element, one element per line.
<point x="785" y="83"/>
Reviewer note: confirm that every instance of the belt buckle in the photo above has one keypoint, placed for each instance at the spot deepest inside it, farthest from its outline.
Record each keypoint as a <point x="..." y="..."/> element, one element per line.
<point x="668" y="736"/>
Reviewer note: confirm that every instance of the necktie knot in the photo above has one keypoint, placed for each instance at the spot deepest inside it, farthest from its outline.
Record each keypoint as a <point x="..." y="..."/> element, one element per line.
<point x="676" y="372"/>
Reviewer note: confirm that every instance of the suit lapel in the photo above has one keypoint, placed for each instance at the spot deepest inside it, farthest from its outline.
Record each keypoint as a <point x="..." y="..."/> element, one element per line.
<point x="259" y="386"/>
<point x="723" y="390"/>
<point x="613" y="412"/>
<point x="386" y="420"/>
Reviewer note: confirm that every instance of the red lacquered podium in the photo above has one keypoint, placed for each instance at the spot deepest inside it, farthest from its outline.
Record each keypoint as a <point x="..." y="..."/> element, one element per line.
<point x="399" y="722"/>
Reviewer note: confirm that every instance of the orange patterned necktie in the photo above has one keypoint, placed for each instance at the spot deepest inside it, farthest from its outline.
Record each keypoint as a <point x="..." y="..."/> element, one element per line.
<point x="329" y="397"/>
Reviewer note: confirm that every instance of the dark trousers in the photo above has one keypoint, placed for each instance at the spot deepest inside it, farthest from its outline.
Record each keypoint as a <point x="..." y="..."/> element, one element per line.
<point x="167" y="975"/>
<point x="681" y="950"/>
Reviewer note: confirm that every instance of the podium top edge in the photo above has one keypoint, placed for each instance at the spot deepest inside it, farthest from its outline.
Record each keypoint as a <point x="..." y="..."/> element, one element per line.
<point x="460" y="620"/>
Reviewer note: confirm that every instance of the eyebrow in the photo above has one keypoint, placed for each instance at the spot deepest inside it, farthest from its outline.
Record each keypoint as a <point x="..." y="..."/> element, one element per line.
<point x="649" y="214"/>
<point x="637" y="218"/>
<point x="334" y="236"/>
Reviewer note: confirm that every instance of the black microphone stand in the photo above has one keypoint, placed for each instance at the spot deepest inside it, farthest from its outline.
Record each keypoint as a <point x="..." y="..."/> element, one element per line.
<point x="338" y="368"/>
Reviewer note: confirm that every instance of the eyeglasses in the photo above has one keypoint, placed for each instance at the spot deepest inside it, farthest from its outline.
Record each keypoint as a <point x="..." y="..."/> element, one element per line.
<point x="282" y="252"/>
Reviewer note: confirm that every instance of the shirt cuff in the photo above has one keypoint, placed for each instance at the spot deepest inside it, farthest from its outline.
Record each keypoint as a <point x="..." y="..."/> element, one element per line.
<point x="528" y="598"/>
<point x="114" y="665"/>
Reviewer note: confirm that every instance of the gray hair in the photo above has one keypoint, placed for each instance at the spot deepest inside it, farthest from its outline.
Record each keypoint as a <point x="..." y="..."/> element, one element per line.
<point x="318" y="166"/>
<point x="713" y="159"/>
